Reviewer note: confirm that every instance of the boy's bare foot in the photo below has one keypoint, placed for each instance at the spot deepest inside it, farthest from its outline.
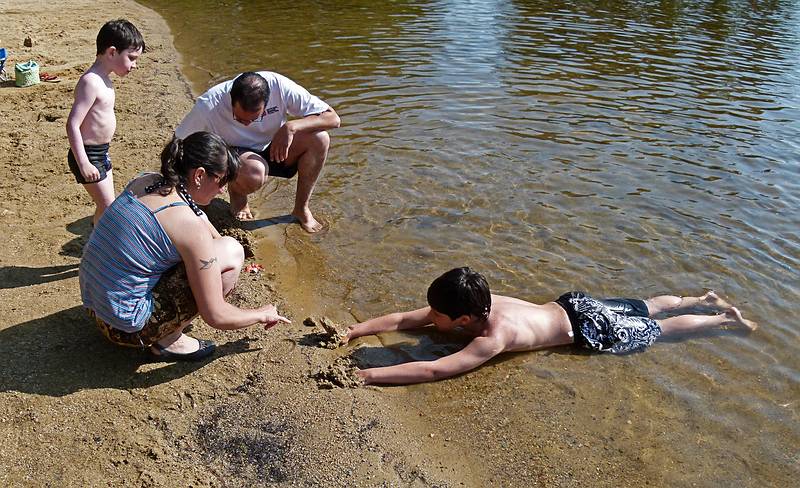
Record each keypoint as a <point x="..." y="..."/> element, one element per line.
<point x="239" y="206"/>
<point x="713" y="300"/>
<point x="307" y="221"/>
<point x="734" y="316"/>
<point x="244" y="214"/>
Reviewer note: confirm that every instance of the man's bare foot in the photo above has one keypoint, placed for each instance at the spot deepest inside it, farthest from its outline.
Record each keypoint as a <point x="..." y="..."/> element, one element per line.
<point x="734" y="317"/>
<point x="307" y="221"/>
<point x="244" y="214"/>
<point x="711" y="299"/>
<point x="239" y="207"/>
<point x="183" y="345"/>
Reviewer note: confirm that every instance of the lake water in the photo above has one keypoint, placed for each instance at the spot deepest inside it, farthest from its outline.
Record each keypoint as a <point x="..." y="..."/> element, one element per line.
<point x="619" y="147"/>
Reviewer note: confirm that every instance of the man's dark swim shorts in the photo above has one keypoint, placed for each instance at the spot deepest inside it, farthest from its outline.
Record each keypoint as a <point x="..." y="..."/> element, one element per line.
<point x="98" y="156"/>
<point x="617" y="325"/>
<point x="274" y="168"/>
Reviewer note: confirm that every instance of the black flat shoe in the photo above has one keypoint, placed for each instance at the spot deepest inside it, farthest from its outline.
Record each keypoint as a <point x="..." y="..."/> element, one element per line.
<point x="207" y="348"/>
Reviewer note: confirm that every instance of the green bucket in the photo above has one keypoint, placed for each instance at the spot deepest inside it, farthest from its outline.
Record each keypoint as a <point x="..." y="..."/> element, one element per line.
<point x="26" y="74"/>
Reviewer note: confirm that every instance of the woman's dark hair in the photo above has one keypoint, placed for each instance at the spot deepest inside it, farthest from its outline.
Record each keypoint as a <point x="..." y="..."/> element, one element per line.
<point x="460" y="291"/>
<point x="198" y="150"/>
<point x="249" y="91"/>
<point x="121" y="34"/>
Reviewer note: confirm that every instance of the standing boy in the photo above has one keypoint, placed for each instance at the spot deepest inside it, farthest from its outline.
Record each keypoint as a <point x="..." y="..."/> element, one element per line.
<point x="460" y="299"/>
<point x="91" y="122"/>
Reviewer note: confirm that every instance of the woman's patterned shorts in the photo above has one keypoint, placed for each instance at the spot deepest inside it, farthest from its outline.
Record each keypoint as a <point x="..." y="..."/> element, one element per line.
<point x="173" y="305"/>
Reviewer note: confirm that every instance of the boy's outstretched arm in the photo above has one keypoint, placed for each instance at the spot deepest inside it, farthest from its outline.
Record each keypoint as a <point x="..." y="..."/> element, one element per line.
<point x="477" y="352"/>
<point x="392" y="321"/>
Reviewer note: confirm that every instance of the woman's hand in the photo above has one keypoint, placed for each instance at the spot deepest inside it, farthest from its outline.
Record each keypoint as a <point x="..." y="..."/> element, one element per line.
<point x="271" y="317"/>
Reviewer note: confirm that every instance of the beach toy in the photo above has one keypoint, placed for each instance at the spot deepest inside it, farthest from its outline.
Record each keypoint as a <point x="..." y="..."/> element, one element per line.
<point x="2" y="64"/>
<point x="26" y="74"/>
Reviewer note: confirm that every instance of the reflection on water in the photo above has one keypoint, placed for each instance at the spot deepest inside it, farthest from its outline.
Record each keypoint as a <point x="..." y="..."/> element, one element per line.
<point x="621" y="147"/>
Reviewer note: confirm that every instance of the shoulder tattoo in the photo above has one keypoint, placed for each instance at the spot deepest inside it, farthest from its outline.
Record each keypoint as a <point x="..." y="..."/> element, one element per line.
<point x="207" y="264"/>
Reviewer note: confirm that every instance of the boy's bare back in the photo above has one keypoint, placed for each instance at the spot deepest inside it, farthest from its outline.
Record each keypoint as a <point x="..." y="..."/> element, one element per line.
<point x="518" y="325"/>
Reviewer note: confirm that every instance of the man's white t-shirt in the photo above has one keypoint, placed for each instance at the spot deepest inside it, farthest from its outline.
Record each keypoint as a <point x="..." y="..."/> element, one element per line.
<point x="213" y="112"/>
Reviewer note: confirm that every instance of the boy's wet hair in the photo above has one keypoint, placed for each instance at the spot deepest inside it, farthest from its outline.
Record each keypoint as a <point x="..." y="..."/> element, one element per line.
<point x="249" y="91"/>
<point x="121" y="34"/>
<point x="460" y="291"/>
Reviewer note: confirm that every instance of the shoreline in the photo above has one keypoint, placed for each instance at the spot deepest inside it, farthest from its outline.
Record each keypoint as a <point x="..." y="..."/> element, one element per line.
<point x="270" y="242"/>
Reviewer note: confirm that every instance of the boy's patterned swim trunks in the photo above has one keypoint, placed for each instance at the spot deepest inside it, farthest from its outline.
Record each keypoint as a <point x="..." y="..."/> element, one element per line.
<point x="598" y="327"/>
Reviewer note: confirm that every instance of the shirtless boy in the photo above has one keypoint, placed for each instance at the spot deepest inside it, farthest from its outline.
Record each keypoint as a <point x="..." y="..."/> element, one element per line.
<point x="460" y="299"/>
<point x="91" y="122"/>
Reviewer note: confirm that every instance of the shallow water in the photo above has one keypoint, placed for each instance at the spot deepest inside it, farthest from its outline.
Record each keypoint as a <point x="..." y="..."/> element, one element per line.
<point x="624" y="148"/>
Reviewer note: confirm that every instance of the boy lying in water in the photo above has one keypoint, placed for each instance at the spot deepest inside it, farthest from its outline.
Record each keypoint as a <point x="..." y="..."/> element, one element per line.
<point x="460" y="299"/>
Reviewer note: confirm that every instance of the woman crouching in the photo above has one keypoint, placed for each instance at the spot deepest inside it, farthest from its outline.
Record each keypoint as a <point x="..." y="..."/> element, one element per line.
<point x="154" y="260"/>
